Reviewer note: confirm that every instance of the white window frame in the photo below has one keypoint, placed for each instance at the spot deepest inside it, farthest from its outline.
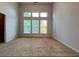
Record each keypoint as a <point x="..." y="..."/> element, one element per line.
<point x="36" y="18"/>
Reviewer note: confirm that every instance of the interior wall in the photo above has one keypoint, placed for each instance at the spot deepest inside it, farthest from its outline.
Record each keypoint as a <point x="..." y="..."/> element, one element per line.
<point x="35" y="8"/>
<point x="11" y="12"/>
<point x="66" y="23"/>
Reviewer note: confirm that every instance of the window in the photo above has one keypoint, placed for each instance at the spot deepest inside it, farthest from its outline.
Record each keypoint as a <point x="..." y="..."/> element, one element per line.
<point x="43" y="26"/>
<point x="27" y="26"/>
<point x="43" y="14"/>
<point x="35" y="26"/>
<point x="35" y="14"/>
<point x="27" y="14"/>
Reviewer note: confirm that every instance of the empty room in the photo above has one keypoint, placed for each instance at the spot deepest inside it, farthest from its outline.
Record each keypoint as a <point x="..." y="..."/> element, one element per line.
<point x="39" y="29"/>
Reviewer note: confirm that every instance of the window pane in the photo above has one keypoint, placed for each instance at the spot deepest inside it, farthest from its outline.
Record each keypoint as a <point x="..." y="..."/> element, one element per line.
<point x="27" y="14"/>
<point x="27" y="26"/>
<point x="43" y="14"/>
<point x="35" y="26"/>
<point x="35" y="14"/>
<point x="43" y="26"/>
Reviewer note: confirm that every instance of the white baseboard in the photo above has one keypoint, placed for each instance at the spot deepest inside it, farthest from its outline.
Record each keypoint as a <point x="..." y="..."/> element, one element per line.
<point x="68" y="46"/>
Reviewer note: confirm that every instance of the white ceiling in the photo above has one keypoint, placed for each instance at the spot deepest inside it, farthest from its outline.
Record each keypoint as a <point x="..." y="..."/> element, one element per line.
<point x="35" y="3"/>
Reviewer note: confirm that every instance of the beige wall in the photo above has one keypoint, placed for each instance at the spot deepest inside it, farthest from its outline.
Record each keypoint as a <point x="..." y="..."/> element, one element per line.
<point x="66" y="24"/>
<point x="35" y="8"/>
<point x="11" y="12"/>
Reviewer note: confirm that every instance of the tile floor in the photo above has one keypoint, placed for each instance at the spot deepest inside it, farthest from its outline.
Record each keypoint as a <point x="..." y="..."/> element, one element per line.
<point x="35" y="47"/>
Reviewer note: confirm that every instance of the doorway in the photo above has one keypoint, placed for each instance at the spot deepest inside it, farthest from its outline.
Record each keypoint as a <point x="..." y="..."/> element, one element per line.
<point x="2" y="18"/>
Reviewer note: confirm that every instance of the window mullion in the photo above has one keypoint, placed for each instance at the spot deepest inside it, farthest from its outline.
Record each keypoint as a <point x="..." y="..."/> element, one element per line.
<point x="31" y="24"/>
